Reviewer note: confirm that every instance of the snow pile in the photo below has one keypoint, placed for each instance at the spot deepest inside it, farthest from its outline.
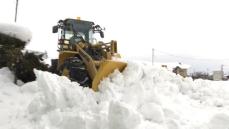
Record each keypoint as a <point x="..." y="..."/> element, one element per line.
<point x="14" y="101"/>
<point x="16" y="31"/>
<point x="142" y="97"/>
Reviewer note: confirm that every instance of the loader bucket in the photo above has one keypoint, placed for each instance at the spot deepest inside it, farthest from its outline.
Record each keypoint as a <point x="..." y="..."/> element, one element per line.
<point x="107" y="67"/>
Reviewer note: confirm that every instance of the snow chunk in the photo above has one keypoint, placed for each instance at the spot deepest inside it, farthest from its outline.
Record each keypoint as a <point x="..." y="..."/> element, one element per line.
<point x="122" y="116"/>
<point x="6" y="77"/>
<point x="219" y="121"/>
<point x="60" y="92"/>
<point x="173" y="124"/>
<point x="152" y="112"/>
<point x="16" y="31"/>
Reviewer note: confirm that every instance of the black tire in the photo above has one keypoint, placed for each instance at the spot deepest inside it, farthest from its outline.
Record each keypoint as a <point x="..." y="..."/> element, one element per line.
<point x="53" y="67"/>
<point x="77" y="71"/>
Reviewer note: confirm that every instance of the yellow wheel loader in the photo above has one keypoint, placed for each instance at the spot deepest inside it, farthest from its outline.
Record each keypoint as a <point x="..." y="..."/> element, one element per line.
<point x="80" y="59"/>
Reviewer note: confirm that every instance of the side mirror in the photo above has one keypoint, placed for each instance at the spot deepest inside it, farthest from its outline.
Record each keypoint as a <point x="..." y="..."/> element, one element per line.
<point x="54" y="29"/>
<point x="101" y="34"/>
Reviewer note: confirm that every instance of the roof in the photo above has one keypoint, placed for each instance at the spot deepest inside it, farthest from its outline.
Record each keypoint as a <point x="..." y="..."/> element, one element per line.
<point x="16" y="31"/>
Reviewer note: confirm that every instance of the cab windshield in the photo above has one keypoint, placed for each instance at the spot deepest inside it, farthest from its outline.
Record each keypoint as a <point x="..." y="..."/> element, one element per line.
<point x="68" y="35"/>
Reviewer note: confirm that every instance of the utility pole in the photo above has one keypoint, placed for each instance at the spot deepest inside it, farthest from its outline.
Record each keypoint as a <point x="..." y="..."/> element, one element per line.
<point x="222" y="71"/>
<point x="222" y="67"/>
<point x="153" y="56"/>
<point x="15" y="18"/>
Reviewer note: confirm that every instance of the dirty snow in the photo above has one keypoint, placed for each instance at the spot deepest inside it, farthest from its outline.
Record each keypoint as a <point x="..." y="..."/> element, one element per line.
<point x="142" y="97"/>
<point x="16" y="31"/>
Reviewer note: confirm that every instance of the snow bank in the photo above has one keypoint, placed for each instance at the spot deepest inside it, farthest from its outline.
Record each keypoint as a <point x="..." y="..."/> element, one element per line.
<point x="14" y="101"/>
<point x="142" y="97"/>
<point x="16" y="31"/>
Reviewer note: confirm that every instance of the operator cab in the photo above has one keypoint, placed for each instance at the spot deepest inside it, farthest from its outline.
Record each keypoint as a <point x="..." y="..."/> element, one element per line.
<point x="72" y="31"/>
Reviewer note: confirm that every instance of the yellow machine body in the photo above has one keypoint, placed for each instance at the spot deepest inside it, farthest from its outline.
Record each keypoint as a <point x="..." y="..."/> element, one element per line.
<point x="79" y="58"/>
<point x="97" y="69"/>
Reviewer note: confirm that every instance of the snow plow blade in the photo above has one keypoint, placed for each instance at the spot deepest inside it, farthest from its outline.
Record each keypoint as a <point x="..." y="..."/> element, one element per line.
<point x="106" y="67"/>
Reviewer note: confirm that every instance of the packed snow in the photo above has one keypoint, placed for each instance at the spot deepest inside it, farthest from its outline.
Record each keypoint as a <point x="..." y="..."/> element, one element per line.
<point x="16" y="31"/>
<point x="141" y="97"/>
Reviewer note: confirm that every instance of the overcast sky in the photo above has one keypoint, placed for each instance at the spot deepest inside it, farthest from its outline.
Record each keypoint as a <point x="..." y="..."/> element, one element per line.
<point x="188" y="28"/>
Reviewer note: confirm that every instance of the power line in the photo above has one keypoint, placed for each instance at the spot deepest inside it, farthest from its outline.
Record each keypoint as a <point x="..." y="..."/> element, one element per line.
<point x="153" y="56"/>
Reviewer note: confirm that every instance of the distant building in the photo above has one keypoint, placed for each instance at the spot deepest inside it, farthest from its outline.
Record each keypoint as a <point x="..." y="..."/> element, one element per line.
<point x="165" y="66"/>
<point x="180" y="71"/>
<point x="177" y="68"/>
<point x="217" y="75"/>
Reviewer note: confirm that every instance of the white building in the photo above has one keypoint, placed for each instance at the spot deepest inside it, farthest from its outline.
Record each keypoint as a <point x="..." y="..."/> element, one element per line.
<point x="217" y="75"/>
